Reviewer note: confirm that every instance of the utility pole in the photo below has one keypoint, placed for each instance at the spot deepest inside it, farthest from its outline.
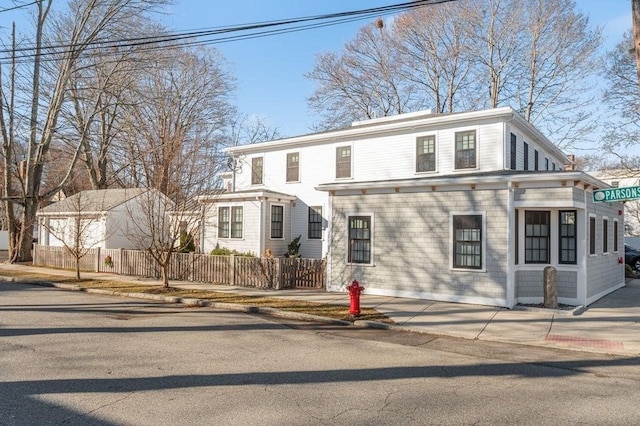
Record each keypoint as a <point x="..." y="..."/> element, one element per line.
<point x="635" y="7"/>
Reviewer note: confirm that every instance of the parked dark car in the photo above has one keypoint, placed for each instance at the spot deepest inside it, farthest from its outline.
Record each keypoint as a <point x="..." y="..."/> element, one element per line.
<point x="632" y="257"/>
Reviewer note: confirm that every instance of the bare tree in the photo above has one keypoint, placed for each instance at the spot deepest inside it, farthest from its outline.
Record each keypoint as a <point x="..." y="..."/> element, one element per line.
<point x="623" y="99"/>
<point x="42" y="104"/>
<point x="433" y="45"/>
<point x="249" y="130"/>
<point x="181" y="107"/>
<point x="362" y="82"/>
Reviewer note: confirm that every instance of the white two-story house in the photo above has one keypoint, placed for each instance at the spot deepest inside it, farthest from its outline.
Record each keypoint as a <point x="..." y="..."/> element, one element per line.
<point x="466" y="207"/>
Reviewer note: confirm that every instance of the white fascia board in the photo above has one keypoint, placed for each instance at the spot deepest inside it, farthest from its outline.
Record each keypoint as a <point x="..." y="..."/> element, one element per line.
<point x="401" y="123"/>
<point x="252" y="195"/>
<point x="71" y="214"/>
<point x="463" y="180"/>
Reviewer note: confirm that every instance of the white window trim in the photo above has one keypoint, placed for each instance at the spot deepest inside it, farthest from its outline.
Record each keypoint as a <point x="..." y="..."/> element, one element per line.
<point x="322" y="228"/>
<point x="483" y="245"/>
<point x="437" y="154"/>
<point x="271" y="221"/>
<point x="595" y="232"/>
<point x="609" y="240"/>
<point x="262" y="177"/>
<point x="286" y="166"/>
<point x="371" y="257"/>
<point x="460" y="130"/>
<point x="350" y="177"/>
<point x="230" y="206"/>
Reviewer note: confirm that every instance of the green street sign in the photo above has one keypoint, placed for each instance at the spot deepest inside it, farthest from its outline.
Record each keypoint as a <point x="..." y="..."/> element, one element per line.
<point x="616" y="194"/>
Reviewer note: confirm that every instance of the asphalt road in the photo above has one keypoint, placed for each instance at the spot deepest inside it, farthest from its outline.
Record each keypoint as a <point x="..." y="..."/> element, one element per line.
<point x="76" y="359"/>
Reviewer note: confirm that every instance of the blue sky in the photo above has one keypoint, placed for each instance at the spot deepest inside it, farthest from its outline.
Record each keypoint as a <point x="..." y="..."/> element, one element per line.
<point x="270" y="70"/>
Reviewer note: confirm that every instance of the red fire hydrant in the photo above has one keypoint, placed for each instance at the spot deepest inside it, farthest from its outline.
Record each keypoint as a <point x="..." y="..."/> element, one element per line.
<point x="354" y="298"/>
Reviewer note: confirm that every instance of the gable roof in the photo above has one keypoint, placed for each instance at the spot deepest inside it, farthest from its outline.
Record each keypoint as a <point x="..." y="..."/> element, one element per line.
<point x="93" y="201"/>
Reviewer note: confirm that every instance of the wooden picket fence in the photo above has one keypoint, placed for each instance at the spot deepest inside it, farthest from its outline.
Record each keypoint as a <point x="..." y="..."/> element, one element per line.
<point x="241" y="271"/>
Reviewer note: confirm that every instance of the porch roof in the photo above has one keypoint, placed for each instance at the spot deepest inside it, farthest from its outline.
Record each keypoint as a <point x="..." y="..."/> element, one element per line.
<point x="263" y="194"/>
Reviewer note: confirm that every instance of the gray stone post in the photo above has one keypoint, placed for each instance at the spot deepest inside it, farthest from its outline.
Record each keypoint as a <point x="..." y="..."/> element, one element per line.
<point x="550" y="288"/>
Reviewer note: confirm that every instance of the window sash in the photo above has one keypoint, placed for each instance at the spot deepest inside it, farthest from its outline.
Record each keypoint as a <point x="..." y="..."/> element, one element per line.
<point x="426" y="154"/>
<point x="514" y="152"/>
<point x="223" y="222"/>
<point x="359" y="239"/>
<point x="537" y="236"/>
<point x="314" y="231"/>
<point x="592" y="235"/>
<point x="605" y="235"/>
<point x="526" y="155"/>
<point x="467" y="241"/>
<point x="343" y="162"/>
<point x="293" y="169"/>
<point x="466" y="149"/>
<point x="277" y="222"/>
<point x="616" y="247"/>
<point x="568" y="242"/>
<point x="256" y="171"/>
<point x="236" y="222"/>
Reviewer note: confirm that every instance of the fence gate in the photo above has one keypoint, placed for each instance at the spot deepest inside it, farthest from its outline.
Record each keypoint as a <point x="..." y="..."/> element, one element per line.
<point x="304" y="273"/>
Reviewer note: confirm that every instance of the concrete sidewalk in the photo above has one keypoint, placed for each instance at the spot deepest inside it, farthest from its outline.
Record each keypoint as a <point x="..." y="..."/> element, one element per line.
<point x="611" y="325"/>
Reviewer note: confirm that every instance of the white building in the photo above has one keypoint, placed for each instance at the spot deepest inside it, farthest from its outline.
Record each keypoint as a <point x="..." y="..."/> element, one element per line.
<point x="106" y="218"/>
<point x="465" y="207"/>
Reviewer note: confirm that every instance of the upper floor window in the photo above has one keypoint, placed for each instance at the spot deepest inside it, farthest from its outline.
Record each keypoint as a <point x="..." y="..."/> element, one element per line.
<point x="535" y="160"/>
<point x="315" y="223"/>
<point x="546" y="164"/>
<point x="343" y="162"/>
<point x="615" y="183"/>
<point x="467" y="241"/>
<point x="466" y="149"/>
<point x="256" y="170"/>
<point x="514" y="152"/>
<point x="293" y="167"/>
<point x="426" y="154"/>
<point x="568" y="239"/>
<point x="277" y="221"/>
<point x="526" y="155"/>
<point x="536" y="236"/>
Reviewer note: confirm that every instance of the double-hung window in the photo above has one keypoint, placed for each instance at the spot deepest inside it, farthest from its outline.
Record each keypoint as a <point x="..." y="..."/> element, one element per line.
<point x="223" y="222"/>
<point x="426" y="154"/>
<point x="567" y="238"/>
<point x="467" y="241"/>
<point x="315" y="223"/>
<point x="343" y="162"/>
<point x="236" y="222"/>
<point x="359" y="239"/>
<point x="616" y="246"/>
<point x="537" y="236"/>
<point x="525" y="147"/>
<point x="466" y="149"/>
<point x="605" y="235"/>
<point x="256" y="170"/>
<point x="514" y="152"/>
<point x="293" y="167"/>
<point x="277" y="221"/>
<point x="592" y="235"/>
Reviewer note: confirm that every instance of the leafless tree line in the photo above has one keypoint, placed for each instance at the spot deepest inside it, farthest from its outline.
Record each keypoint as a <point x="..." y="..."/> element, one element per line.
<point x="535" y="56"/>
<point x="81" y="117"/>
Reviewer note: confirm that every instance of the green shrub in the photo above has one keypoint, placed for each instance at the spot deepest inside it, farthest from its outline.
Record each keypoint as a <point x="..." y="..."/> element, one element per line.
<point x="223" y="251"/>
<point x="293" y="249"/>
<point x="187" y="245"/>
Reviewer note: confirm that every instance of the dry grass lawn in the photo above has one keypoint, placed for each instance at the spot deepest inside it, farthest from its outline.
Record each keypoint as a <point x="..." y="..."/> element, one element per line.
<point x="311" y="308"/>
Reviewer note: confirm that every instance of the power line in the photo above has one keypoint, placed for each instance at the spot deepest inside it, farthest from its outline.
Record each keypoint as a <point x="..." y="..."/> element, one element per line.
<point x="217" y="35"/>
<point x="8" y="9"/>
